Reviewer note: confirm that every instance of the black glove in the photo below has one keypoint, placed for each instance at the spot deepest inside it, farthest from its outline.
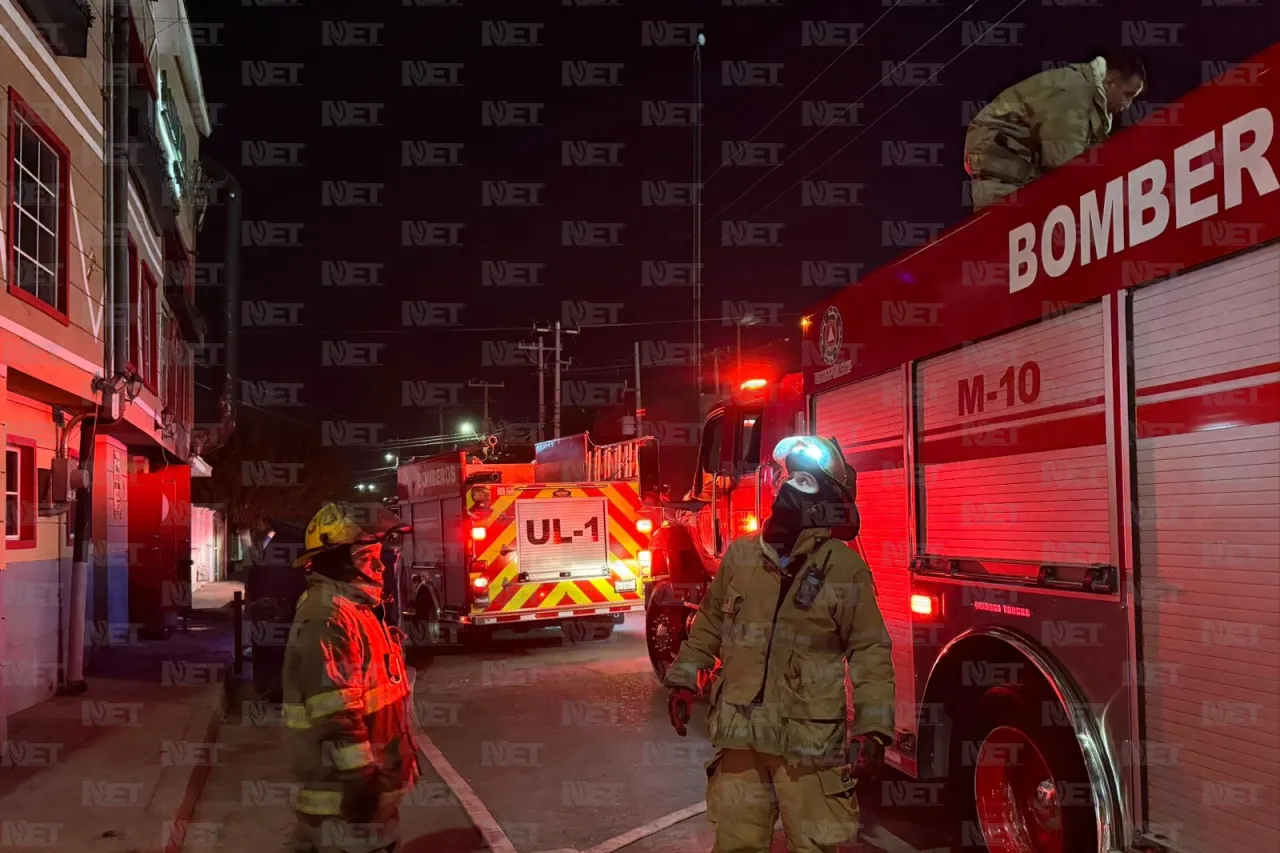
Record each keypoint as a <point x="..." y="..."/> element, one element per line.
<point x="866" y="756"/>
<point x="680" y="708"/>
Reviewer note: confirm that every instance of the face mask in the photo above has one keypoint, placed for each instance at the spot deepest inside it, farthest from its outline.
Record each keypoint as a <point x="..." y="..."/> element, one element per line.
<point x="786" y="519"/>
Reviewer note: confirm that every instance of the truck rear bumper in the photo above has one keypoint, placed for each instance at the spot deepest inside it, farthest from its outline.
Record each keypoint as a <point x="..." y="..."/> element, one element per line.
<point x="556" y="613"/>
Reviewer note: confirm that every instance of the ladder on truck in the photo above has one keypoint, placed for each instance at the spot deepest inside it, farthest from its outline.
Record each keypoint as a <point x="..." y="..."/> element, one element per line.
<point x="619" y="461"/>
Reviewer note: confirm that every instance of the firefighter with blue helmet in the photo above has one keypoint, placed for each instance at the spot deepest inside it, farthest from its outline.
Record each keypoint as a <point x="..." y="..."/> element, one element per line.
<point x="790" y="616"/>
<point x="347" y="690"/>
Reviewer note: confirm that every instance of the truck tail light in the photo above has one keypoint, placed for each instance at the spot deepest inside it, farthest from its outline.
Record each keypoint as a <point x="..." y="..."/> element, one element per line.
<point x="479" y="582"/>
<point x="478" y="533"/>
<point x="645" y="558"/>
<point x="925" y="605"/>
<point x="644" y="525"/>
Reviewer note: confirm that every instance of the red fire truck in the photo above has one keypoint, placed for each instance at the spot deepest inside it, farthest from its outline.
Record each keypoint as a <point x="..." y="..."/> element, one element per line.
<point x="561" y="541"/>
<point x="1065" y="418"/>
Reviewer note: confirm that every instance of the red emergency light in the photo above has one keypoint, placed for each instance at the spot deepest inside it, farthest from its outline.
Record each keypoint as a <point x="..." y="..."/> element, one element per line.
<point x="754" y="384"/>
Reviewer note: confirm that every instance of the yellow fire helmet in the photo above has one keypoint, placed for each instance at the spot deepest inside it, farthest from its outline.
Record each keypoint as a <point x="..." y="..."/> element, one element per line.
<point x="805" y="457"/>
<point x="338" y="525"/>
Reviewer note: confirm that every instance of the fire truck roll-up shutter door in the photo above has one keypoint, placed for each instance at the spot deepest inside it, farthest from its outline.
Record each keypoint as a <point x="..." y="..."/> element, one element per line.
<point x="1207" y="376"/>
<point x="1013" y="446"/>
<point x="427" y="546"/>
<point x="562" y="538"/>
<point x="453" y="552"/>
<point x="866" y="418"/>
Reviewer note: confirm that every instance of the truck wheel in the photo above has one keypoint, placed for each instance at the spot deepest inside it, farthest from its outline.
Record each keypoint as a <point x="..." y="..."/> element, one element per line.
<point x="1023" y="786"/>
<point x="578" y="631"/>
<point x="664" y="631"/>
<point x="426" y="616"/>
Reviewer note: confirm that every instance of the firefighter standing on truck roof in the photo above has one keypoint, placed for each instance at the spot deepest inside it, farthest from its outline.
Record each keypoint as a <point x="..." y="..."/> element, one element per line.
<point x="346" y="689"/>
<point x="789" y="610"/>
<point x="1046" y="120"/>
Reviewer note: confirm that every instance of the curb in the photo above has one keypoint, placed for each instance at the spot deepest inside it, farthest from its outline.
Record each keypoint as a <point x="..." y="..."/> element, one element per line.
<point x="206" y="730"/>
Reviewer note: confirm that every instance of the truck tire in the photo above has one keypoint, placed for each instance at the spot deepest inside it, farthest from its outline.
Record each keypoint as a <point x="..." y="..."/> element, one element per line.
<point x="587" y="630"/>
<point x="665" y="629"/>
<point x="1019" y="782"/>
<point x="426" y="619"/>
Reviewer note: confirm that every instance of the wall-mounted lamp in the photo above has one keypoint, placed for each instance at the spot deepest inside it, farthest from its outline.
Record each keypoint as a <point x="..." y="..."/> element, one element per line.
<point x="166" y="418"/>
<point x="134" y="387"/>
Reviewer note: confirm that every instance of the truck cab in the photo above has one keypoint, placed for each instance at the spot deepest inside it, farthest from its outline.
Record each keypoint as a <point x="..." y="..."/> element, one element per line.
<point x="732" y="490"/>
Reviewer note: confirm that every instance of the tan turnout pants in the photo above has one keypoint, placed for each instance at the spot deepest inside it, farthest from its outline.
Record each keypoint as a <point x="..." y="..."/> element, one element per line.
<point x="746" y="790"/>
<point x="987" y="191"/>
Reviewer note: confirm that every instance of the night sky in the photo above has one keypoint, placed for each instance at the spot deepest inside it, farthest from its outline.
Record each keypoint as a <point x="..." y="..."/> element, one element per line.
<point x="361" y="135"/>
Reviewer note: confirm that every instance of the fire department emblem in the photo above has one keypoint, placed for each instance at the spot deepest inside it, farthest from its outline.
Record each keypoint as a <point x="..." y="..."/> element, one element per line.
<point x="831" y="335"/>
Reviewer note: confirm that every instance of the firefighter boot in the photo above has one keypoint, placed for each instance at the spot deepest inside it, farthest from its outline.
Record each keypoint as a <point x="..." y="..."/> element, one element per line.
<point x="740" y="801"/>
<point x="819" y="808"/>
<point x="315" y="834"/>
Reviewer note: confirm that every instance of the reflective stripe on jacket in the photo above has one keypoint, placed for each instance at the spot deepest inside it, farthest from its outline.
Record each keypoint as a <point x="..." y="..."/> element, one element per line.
<point x="781" y="688"/>
<point x="1038" y="124"/>
<point x="346" y="699"/>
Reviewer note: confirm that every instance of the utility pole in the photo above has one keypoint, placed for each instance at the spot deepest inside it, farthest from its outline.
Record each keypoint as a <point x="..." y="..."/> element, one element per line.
<point x="639" y="403"/>
<point x="486" y="386"/>
<point x="542" y="384"/>
<point x="555" y="433"/>
<point x="697" y="208"/>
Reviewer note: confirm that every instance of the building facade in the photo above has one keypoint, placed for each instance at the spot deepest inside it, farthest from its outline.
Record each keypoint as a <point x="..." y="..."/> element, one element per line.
<point x="56" y="316"/>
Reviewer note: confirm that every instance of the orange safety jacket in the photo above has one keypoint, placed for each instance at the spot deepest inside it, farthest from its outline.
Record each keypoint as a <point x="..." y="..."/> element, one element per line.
<point x="346" y="701"/>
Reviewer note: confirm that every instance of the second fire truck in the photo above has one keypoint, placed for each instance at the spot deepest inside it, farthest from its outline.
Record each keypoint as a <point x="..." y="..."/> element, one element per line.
<point x="562" y="541"/>
<point x="1065" y="419"/>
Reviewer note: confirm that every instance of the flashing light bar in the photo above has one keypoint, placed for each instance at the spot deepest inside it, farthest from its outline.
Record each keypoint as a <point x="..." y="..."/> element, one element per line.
<point x="754" y="384"/>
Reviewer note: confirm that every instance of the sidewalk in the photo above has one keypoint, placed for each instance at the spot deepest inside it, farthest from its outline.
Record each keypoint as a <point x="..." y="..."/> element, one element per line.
<point x="114" y="770"/>
<point x="247" y="803"/>
<point x="216" y="594"/>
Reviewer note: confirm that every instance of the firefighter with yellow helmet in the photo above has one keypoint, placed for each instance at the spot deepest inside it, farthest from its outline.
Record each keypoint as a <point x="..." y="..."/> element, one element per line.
<point x="790" y="611"/>
<point x="346" y="689"/>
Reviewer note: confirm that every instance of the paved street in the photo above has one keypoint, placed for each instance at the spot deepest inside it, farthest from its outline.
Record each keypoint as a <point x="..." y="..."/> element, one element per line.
<point x="569" y="748"/>
<point x="536" y="746"/>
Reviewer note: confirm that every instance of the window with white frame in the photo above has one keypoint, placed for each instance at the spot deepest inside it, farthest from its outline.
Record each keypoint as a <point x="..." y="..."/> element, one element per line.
<point x="12" y="493"/>
<point x="37" y="197"/>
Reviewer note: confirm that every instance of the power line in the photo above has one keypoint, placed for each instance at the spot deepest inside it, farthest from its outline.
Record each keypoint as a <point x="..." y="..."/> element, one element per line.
<point x="891" y="108"/>
<point x="525" y="329"/>
<point x="823" y="129"/>
<point x="855" y="43"/>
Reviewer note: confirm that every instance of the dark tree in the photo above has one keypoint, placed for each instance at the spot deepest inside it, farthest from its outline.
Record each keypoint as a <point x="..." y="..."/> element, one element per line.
<point x="272" y="470"/>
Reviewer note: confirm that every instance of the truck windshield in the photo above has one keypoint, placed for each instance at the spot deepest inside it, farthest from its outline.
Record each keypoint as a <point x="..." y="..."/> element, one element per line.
<point x="709" y="458"/>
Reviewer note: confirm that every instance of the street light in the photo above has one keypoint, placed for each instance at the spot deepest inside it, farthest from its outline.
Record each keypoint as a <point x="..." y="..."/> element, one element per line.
<point x="389" y="457"/>
<point x="467" y="428"/>
<point x="745" y="320"/>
